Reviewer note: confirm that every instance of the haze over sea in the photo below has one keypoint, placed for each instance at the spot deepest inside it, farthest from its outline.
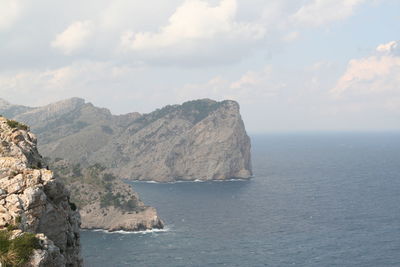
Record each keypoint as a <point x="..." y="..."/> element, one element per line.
<point x="316" y="200"/>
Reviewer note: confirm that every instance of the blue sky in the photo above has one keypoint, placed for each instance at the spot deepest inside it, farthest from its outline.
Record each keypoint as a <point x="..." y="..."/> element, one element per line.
<point x="307" y="65"/>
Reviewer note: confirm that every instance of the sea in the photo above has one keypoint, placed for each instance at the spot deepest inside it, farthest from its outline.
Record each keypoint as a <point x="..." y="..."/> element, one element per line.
<point x="316" y="199"/>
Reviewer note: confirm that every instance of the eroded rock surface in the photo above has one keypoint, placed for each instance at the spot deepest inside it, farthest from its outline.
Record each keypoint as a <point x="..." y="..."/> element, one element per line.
<point x="104" y="201"/>
<point x="198" y="140"/>
<point x="34" y="201"/>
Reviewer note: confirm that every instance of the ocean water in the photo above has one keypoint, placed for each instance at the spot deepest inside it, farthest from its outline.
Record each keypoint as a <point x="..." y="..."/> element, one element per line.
<point x="315" y="200"/>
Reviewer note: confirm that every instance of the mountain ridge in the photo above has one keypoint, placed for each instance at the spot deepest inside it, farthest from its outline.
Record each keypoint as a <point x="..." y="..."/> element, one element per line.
<point x="197" y="140"/>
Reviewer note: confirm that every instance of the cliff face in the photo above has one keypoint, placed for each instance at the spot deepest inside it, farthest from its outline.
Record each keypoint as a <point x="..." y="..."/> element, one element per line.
<point x="33" y="201"/>
<point x="198" y="140"/>
<point x="104" y="201"/>
<point x="203" y="142"/>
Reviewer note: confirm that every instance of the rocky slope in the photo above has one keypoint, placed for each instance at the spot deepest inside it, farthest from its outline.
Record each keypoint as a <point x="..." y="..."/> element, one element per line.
<point x="104" y="201"/>
<point x="36" y="215"/>
<point x="198" y="140"/>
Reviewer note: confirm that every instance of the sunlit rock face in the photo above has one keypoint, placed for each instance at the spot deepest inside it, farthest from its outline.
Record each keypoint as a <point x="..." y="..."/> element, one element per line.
<point x="32" y="200"/>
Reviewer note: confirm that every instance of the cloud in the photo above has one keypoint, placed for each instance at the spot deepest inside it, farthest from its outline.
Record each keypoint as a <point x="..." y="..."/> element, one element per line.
<point x="319" y="12"/>
<point x="74" y="37"/>
<point x="253" y="86"/>
<point x="10" y="11"/>
<point x="105" y="83"/>
<point x="43" y="86"/>
<point x="372" y="82"/>
<point x="194" y="33"/>
<point x="371" y="75"/>
<point x="390" y="47"/>
<point x="196" y="27"/>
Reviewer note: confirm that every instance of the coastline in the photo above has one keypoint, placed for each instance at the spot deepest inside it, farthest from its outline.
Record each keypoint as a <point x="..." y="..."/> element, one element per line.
<point x="125" y="232"/>
<point x="189" y="181"/>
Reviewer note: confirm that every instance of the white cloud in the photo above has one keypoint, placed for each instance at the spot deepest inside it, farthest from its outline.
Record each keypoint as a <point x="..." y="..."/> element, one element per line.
<point x="43" y="86"/>
<point x="196" y="26"/>
<point x="74" y="37"/>
<point x="319" y="12"/>
<point x="105" y="83"/>
<point x="390" y="47"/>
<point x="373" y="81"/>
<point x="10" y="11"/>
<point x="374" y="74"/>
<point x="176" y="32"/>
<point x="250" y="87"/>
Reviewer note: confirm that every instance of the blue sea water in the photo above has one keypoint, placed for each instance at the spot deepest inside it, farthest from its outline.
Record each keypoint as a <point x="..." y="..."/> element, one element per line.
<point x="315" y="200"/>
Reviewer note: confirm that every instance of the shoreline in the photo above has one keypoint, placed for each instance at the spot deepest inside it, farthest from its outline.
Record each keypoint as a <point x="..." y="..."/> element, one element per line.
<point x="125" y="232"/>
<point x="191" y="181"/>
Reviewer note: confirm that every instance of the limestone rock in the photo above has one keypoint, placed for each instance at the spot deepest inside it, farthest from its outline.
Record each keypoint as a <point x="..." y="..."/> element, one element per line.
<point x="104" y="201"/>
<point x="198" y="140"/>
<point x="112" y="219"/>
<point x="33" y="200"/>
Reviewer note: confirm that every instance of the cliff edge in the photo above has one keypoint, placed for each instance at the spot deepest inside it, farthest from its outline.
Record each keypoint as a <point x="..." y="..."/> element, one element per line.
<point x="38" y="224"/>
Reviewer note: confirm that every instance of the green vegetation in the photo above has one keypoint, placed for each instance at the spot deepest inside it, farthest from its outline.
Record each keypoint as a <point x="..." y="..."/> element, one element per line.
<point x="17" y="251"/>
<point x="17" y="125"/>
<point x="118" y="201"/>
<point x="199" y="109"/>
<point x="72" y="206"/>
<point x="79" y="125"/>
<point x="107" y="129"/>
<point x="92" y="184"/>
<point x="193" y="111"/>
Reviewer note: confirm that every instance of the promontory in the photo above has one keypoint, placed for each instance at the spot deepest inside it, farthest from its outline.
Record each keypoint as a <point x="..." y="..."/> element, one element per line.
<point x="197" y="140"/>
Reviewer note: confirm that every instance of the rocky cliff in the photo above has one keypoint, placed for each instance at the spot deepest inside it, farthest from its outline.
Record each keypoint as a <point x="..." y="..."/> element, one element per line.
<point x="104" y="201"/>
<point x="38" y="224"/>
<point x="198" y="140"/>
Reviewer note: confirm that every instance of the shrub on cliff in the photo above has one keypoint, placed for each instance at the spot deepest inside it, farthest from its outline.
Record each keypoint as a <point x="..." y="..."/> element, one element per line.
<point x="17" y="251"/>
<point x="17" y="125"/>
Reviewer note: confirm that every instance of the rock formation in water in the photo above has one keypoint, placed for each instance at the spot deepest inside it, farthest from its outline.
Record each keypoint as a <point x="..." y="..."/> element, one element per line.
<point x="104" y="201"/>
<point x="198" y="140"/>
<point x="38" y="224"/>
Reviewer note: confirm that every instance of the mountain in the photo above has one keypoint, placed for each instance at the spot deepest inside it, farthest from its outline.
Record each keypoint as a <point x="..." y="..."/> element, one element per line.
<point x="39" y="226"/>
<point x="198" y="140"/>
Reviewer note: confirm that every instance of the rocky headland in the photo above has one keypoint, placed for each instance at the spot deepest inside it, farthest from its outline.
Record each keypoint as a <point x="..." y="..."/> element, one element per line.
<point x="198" y="140"/>
<point x="39" y="226"/>
<point x="103" y="201"/>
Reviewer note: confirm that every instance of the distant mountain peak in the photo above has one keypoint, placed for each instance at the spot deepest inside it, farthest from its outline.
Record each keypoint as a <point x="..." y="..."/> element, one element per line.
<point x="73" y="101"/>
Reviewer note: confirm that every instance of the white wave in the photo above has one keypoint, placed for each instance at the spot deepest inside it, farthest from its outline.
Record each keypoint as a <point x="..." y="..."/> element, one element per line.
<point x="193" y="181"/>
<point x="122" y="232"/>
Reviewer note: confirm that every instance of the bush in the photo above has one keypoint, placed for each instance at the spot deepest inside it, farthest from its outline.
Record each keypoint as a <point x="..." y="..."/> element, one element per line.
<point x="24" y="246"/>
<point x="17" y="125"/>
<point x="108" y="177"/>
<point x="4" y="242"/>
<point x="72" y="206"/>
<point x="107" y="200"/>
<point x="17" y="251"/>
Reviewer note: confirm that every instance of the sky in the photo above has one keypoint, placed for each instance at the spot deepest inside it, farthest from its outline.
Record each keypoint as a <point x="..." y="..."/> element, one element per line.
<point x="306" y="65"/>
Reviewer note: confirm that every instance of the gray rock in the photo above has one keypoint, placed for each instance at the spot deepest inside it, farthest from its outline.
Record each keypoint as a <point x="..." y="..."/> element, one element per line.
<point x="198" y="140"/>
<point x="108" y="204"/>
<point x="35" y="201"/>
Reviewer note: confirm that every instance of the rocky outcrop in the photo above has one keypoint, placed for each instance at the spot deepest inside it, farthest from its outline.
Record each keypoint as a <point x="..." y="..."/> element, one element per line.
<point x="188" y="145"/>
<point x="113" y="219"/>
<point x="198" y="140"/>
<point x="33" y="201"/>
<point x="104" y="201"/>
